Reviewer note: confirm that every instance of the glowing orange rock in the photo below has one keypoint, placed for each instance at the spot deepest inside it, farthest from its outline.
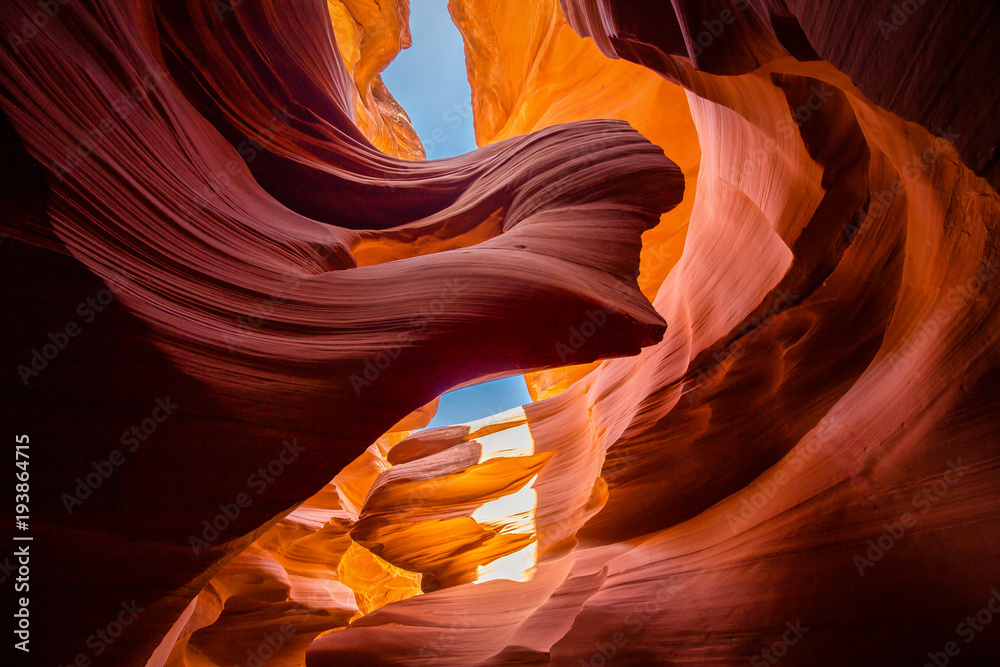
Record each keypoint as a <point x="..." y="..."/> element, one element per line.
<point x="375" y="582"/>
<point x="808" y="447"/>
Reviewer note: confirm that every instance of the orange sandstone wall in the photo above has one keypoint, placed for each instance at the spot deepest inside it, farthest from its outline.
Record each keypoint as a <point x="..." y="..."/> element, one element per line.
<point x="757" y="309"/>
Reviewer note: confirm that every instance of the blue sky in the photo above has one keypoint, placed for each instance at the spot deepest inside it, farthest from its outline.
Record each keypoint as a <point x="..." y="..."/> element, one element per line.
<point x="429" y="80"/>
<point x="481" y="401"/>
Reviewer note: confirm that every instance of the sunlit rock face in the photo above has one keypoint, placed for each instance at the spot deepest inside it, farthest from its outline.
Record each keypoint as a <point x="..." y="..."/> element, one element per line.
<point x="745" y="250"/>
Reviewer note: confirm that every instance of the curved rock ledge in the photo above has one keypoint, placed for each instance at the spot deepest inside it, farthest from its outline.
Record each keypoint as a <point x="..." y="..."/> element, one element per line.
<point x="745" y="253"/>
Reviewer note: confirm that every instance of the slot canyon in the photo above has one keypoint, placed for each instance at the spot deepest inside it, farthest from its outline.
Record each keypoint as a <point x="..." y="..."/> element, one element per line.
<point x="742" y="254"/>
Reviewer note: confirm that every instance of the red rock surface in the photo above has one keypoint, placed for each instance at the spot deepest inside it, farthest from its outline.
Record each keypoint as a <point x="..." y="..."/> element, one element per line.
<point x="285" y="272"/>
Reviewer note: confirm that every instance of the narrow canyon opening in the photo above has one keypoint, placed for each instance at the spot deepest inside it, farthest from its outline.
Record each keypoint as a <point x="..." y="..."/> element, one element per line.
<point x="734" y="261"/>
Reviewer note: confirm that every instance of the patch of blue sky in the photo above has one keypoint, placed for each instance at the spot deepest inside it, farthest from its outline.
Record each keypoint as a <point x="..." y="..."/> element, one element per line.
<point x="430" y="82"/>
<point x="481" y="400"/>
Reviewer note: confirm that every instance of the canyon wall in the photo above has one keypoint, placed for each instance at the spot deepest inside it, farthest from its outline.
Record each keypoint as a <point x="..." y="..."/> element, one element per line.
<point x="745" y="252"/>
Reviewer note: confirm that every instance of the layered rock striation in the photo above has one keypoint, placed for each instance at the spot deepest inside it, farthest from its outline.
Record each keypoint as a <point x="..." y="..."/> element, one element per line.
<point x="747" y="261"/>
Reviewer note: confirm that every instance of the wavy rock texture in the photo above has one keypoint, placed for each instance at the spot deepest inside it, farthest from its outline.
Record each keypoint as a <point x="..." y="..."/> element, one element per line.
<point x="805" y="461"/>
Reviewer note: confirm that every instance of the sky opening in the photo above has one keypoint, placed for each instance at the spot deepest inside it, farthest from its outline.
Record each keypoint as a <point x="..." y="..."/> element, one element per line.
<point x="430" y="82"/>
<point x="481" y="400"/>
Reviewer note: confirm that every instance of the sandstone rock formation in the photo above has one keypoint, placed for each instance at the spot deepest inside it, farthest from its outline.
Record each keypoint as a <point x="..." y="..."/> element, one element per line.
<point x="745" y="252"/>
